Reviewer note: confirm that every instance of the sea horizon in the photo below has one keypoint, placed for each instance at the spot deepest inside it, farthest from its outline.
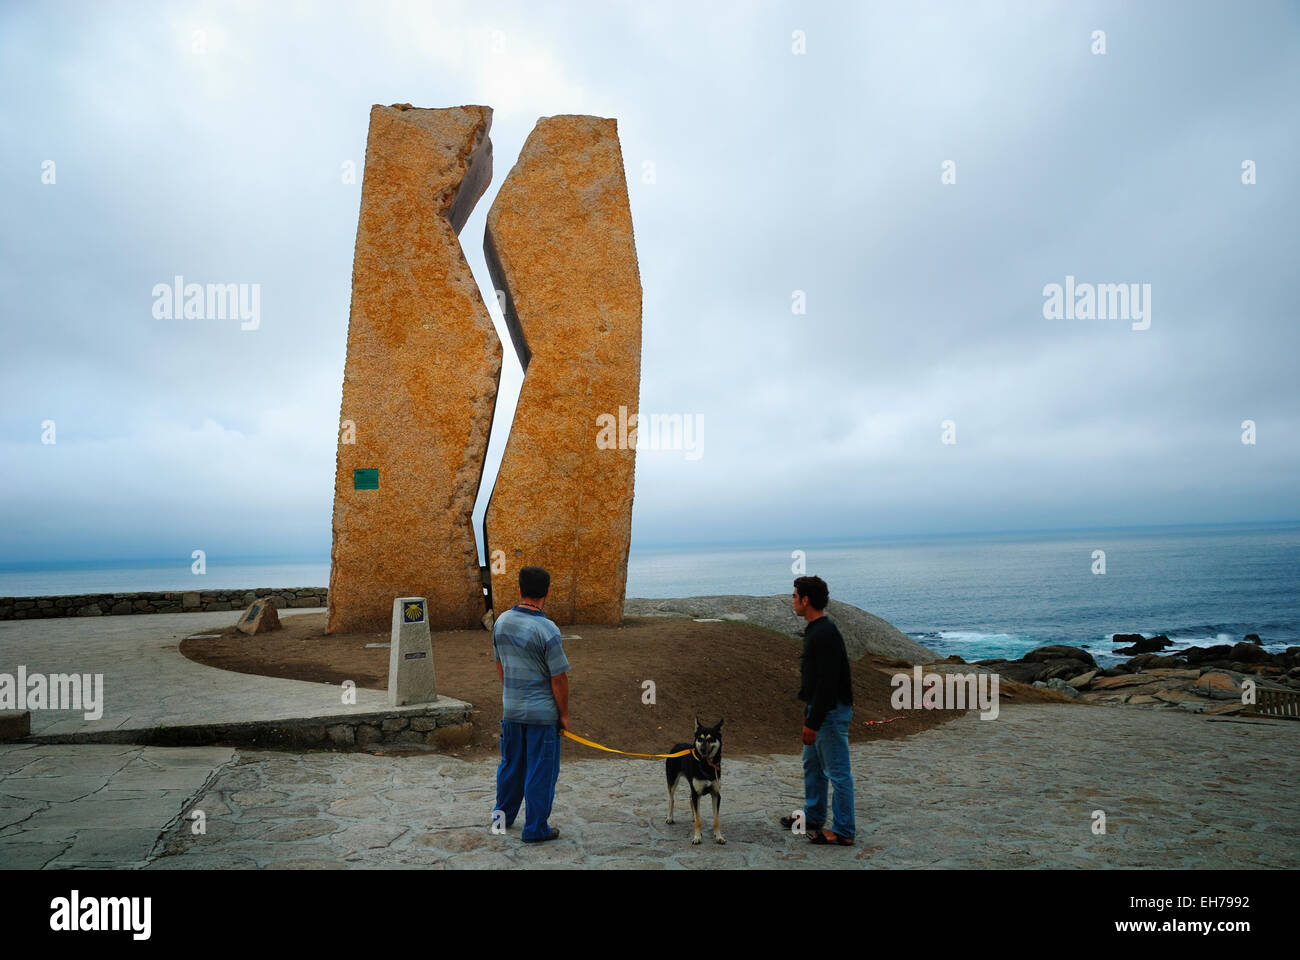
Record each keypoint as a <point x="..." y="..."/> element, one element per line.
<point x="979" y="595"/>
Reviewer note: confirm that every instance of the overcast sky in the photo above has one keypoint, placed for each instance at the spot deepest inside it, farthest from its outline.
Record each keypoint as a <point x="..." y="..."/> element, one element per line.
<point x="210" y="140"/>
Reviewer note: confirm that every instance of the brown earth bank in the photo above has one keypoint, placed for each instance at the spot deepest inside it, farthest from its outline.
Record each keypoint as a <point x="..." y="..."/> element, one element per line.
<point x="746" y="674"/>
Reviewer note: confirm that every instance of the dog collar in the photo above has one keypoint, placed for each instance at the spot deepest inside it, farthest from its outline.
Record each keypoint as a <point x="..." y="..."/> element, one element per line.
<point x="698" y="756"/>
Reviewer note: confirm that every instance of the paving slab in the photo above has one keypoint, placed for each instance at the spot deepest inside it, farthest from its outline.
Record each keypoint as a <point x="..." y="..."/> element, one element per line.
<point x="54" y="813"/>
<point x="1017" y="792"/>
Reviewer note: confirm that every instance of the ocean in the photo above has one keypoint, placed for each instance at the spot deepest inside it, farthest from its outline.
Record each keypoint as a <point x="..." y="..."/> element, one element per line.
<point x="978" y="596"/>
<point x="984" y="596"/>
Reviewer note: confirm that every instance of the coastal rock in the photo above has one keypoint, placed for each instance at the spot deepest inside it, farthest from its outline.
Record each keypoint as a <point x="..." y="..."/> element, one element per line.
<point x="1125" y="680"/>
<point x="1251" y="638"/>
<point x="863" y="632"/>
<point x="1236" y="675"/>
<point x="1250" y="653"/>
<point x="1066" y="669"/>
<point x="1146" y="661"/>
<point x="1053" y="662"/>
<point x="1218" y="685"/>
<point x="1105" y="696"/>
<point x="1126" y="638"/>
<point x="1023" y="671"/>
<point x="1083" y="680"/>
<point x="420" y="379"/>
<point x="1203" y="654"/>
<point x="1224" y="709"/>
<point x="1141" y="644"/>
<point x="1176" y="696"/>
<point x="560" y="249"/>
<point x="1063" y="686"/>
<point x="1059" y="652"/>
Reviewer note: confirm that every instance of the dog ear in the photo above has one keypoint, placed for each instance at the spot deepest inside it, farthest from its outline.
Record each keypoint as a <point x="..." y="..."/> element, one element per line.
<point x="719" y="726"/>
<point x="698" y="726"/>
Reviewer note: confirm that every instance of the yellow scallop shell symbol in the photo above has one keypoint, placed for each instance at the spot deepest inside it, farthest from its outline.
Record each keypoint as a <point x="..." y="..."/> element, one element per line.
<point x="412" y="611"/>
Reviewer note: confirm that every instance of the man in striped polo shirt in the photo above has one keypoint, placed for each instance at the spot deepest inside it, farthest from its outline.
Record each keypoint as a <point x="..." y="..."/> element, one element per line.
<point x="534" y="674"/>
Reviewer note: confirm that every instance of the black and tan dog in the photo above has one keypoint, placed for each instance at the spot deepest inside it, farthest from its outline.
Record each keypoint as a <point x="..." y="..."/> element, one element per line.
<point x="702" y="768"/>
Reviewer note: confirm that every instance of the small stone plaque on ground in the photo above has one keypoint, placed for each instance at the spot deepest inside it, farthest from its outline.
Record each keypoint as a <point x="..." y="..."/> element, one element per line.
<point x="260" y="617"/>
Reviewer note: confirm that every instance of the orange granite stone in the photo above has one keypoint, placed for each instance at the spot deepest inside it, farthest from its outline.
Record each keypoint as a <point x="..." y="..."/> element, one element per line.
<point x="559" y="244"/>
<point x="420" y="383"/>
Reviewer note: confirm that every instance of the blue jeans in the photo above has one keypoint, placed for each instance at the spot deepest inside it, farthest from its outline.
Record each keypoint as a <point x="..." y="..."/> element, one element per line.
<point x="530" y="766"/>
<point x="825" y="760"/>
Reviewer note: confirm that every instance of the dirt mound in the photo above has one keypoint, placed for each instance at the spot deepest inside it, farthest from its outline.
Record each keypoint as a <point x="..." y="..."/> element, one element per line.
<point x="739" y="671"/>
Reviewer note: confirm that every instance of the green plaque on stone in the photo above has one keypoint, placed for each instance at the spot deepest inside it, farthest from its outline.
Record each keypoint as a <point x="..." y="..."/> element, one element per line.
<point x="365" y="479"/>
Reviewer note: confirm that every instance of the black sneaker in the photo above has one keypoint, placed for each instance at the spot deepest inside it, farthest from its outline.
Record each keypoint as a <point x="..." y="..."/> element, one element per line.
<point x="555" y="832"/>
<point x="789" y="822"/>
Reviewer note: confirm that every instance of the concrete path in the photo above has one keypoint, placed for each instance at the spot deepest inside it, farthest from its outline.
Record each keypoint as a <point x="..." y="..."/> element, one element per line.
<point x="149" y="683"/>
<point x="1020" y="791"/>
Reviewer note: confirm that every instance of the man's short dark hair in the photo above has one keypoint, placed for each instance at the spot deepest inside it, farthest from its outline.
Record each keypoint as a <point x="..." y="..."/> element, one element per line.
<point x="534" y="583"/>
<point x="814" y="590"/>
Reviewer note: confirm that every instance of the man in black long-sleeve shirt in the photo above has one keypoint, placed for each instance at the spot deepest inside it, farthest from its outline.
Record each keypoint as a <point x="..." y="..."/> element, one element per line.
<point x="827" y="691"/>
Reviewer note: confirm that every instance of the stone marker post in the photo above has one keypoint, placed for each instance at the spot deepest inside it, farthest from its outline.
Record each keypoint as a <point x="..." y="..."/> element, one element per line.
<point x="410" y="657"/>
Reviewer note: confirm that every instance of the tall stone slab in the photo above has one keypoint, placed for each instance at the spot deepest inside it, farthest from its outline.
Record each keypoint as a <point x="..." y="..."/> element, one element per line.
<point x="559" y="244"/>
<point x="420" y="383"/>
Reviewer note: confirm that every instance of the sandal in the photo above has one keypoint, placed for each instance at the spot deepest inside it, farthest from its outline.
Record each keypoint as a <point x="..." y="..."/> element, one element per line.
<point x="830" y="838"/>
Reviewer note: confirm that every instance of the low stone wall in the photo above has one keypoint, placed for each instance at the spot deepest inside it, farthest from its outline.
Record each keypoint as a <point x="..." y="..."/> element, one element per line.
<point x="170" y="601"/>
<point x="440" y="728"/>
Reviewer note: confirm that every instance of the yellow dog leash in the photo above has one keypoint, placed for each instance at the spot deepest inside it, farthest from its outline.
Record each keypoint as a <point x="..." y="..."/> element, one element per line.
<point x="592" y="743"/>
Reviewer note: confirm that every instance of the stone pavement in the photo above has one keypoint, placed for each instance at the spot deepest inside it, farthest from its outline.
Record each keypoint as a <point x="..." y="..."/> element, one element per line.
<point x="148" y="682"/>
<point x="1177" y="792"/>
<point x="94" y="805"/>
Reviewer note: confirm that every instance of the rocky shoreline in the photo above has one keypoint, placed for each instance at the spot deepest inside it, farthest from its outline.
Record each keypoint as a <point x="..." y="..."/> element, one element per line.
<point x="1207" y="680"/>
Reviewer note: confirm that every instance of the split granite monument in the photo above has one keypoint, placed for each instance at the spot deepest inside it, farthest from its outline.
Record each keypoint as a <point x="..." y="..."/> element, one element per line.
<point x="424" y="363"/>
